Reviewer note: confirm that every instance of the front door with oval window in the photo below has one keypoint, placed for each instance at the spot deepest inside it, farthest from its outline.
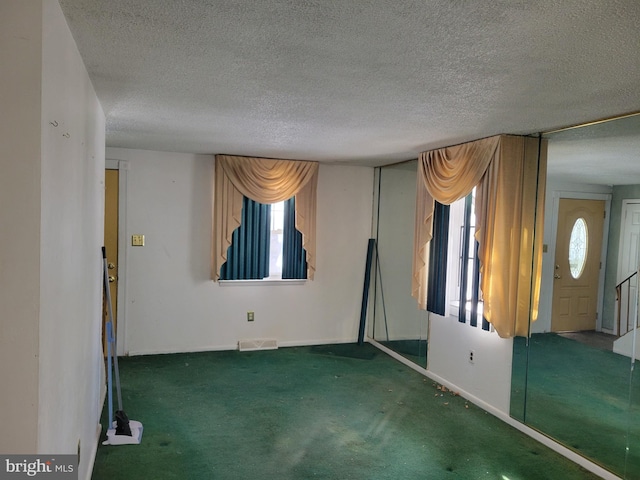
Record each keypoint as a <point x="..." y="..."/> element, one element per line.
<point x="577" y="265"/>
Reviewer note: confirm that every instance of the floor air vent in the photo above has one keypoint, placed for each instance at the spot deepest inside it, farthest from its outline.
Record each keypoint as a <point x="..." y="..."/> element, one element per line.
<point x="257" y="344"/>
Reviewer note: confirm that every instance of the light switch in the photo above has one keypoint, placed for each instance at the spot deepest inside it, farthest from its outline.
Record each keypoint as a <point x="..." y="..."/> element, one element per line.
<point x="137" y="240"/>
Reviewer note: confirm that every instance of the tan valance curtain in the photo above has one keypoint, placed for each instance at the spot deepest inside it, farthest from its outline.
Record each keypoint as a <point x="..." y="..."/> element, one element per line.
<point x="445" y="175"/>
<point x="264" y="180"/>
<point x="509" y="204"/>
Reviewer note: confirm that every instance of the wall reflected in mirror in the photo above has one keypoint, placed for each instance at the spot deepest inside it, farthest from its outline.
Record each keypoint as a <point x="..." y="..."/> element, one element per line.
<point x="397" y="322"/>
<point x="573" y="378"/>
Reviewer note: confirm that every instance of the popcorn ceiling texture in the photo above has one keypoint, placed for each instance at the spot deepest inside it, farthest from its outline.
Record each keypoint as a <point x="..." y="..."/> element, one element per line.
<point x="369" y="82"/>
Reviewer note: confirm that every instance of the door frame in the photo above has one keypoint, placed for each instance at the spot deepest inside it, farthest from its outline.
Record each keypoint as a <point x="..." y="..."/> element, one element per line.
<point x="551" y="248"/>
<point x="625" y="205"/>
<point x="121" y="308"/>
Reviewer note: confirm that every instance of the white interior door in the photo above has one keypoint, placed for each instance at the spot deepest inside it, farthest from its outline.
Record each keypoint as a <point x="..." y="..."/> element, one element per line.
<point x="628" y="258"/>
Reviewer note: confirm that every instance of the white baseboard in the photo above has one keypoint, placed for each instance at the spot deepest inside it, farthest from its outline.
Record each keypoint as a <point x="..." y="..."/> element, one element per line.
<point x="163" y="351"/>
<point x="311" y="343"/>
<point x="94" y="448"/>
<point x="94" y="452"/>
<point x="234" y="346"/>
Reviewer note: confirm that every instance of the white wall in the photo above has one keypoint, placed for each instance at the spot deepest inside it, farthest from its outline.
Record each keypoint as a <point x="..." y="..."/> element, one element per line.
<point x="20" y="57"/>
<point x="72" y="206"/>
<point x="172" y="305"/>
<point x="399" y="316"/>
<point x="488" y="378"/>
<point x="51" y="204"/>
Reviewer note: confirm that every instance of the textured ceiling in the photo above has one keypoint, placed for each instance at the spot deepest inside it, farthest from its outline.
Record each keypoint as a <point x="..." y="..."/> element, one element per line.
<point x="365" y="81"/>
<point x="605" y="153"/>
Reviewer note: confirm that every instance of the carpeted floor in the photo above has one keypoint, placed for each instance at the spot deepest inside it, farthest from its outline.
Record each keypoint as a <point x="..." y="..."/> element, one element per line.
<point x="600" y="340"/>
<point x="330" y="412"/>
<point x="578" y="393"/>
<point x="414" y="350"/>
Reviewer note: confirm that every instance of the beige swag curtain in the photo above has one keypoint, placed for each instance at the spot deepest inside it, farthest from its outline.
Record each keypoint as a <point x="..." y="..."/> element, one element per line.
<point x="510" y="191"/>
<point x="264" y="180"/>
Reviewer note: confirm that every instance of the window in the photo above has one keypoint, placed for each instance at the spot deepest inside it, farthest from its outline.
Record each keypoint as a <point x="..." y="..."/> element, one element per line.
<point x="464" y="275"/>
<point x="266" y="245"/>
<point x="578" y="248"/>
<point x="437" y="273"/>
<point x="276" y="240"/>
<point x="268" y="180"/>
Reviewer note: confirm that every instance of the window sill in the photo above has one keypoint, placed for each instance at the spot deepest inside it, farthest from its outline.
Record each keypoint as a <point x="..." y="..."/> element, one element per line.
<point x="256" y="283"/>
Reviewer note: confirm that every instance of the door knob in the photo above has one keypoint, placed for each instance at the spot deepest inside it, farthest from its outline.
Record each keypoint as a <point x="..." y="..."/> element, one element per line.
<point x="112" y="279"/>
<point x="557" y="275"/>
<point x="111" y="266"/>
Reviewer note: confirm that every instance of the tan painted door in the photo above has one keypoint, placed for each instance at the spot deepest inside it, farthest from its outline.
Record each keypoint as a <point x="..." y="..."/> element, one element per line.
<point x="577" y="265"/>
<point x="111" y="244"/>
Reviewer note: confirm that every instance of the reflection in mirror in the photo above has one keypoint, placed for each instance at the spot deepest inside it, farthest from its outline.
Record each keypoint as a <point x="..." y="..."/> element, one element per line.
<point x="573" y="378"/>
<point x="632" y="455"/>
<point x="519" y="371"/>
<point x="397" y="322"/>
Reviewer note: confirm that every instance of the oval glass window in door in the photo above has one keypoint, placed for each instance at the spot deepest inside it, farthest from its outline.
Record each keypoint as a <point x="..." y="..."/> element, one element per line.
<point x="578" y="246"/>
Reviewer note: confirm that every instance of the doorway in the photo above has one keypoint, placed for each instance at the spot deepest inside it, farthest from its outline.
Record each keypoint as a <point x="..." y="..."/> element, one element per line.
<point x="111" y="245"/>
<point x="628" y="258"/>
<point x="577" y="264"/>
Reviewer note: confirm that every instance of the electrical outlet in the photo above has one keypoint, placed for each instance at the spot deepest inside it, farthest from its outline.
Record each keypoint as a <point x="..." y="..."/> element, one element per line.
<point x="472" y="356"/>
<point x="250" y="317"/>
<point x="137" y="240"/>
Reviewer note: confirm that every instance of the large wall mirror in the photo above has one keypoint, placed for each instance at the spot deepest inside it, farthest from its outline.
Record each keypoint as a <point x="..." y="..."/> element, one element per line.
<point x="397" y="322"/>
<point x="573" y="378"/>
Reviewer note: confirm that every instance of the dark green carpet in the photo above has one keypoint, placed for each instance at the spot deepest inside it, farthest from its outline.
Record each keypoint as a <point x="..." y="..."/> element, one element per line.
<point x="333" y="412"/>
<point x="579" y="395"/>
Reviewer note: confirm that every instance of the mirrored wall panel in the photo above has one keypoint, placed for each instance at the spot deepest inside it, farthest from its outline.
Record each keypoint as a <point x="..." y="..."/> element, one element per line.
<point x="397" y="322"/>
<point x="573" y="378"/>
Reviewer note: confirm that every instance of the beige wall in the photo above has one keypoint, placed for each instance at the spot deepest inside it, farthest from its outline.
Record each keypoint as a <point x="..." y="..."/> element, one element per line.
<point x="51" y="207"/>
<point x="21" y="60"/>
<point x="170" y="302"/>
<point x="71" y="238"/>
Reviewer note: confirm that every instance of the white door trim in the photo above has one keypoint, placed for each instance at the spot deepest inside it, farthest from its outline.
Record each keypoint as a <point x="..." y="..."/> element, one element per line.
<point x="625" y="205"/>
<point x="623" y="233"/>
